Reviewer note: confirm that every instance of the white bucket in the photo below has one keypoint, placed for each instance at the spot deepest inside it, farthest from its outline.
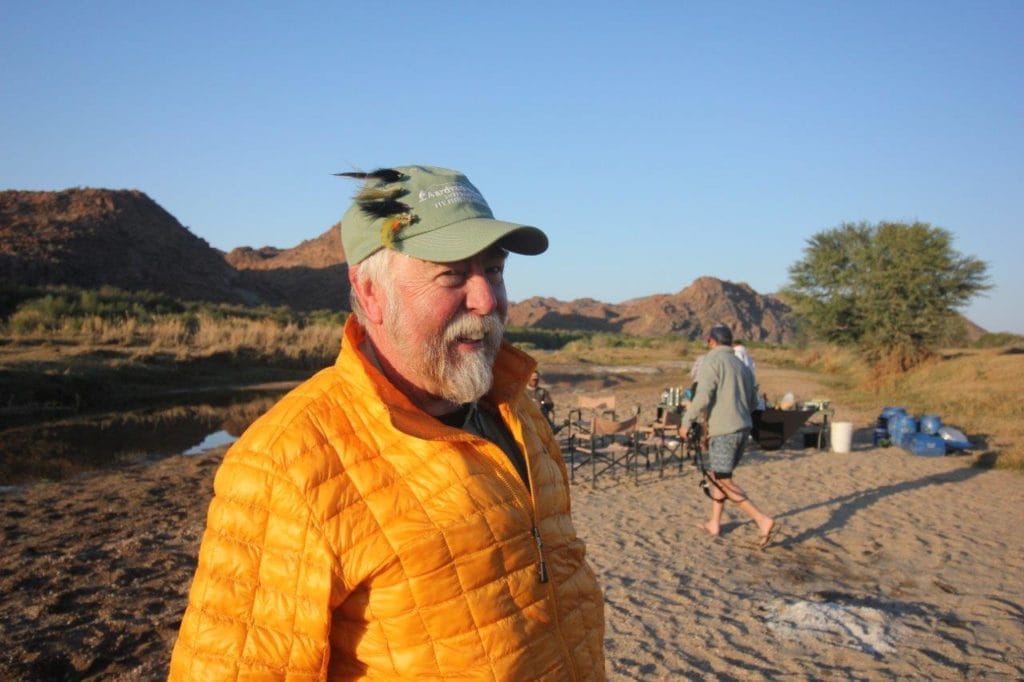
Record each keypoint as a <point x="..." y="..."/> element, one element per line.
<point x="841" y="436"/>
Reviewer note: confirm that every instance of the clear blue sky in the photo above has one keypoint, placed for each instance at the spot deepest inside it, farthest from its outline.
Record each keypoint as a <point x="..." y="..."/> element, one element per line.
<point x="655" y="142"/>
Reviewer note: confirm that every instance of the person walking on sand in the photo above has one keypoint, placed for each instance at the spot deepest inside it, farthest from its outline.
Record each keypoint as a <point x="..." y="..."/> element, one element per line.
<point x="727" y="395"/>
<point x="404" y="513"/>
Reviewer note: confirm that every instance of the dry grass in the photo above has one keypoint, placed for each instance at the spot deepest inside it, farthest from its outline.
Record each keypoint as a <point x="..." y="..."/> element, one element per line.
<point x="91" y="364"/>
<point x="974" y="390"/>
<point x="187" y="339"/>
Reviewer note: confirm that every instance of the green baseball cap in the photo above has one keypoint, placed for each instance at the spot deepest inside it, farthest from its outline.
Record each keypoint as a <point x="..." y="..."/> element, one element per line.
<point x="429" y="213"/>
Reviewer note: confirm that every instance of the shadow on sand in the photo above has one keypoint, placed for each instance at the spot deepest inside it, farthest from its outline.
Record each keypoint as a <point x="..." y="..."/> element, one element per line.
<point x="851" y="504"/>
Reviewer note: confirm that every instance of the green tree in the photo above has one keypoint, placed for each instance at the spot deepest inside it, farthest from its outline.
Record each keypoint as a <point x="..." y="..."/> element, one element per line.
<point x="891" y="289"/>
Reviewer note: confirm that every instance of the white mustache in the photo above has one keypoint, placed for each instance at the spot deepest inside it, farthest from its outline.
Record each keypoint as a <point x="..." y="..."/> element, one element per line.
<point x="489" y="329"/>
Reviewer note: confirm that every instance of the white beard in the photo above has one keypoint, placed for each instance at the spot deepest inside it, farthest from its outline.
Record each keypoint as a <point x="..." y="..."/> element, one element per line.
<point x="449" y="374"/>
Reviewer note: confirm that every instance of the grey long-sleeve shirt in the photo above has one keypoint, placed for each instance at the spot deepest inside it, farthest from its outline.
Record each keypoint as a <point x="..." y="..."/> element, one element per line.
<point x="726" y="391"/>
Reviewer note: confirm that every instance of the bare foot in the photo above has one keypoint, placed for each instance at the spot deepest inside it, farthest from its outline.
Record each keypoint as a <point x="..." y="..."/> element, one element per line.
<point x="709" y="529"/>
<point x="767" y="531"/>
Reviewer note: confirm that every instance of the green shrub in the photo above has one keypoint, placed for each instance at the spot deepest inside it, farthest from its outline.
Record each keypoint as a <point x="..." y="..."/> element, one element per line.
<point x="998" y="340"/>
<point x="29" y="310"/>
<point x="543" y="339"/>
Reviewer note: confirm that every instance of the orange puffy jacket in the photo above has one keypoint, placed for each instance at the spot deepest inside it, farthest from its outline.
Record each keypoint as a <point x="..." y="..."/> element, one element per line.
<point x="353" y="536"/>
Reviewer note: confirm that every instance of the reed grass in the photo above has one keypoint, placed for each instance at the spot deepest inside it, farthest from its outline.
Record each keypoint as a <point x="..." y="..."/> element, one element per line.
<point x="185" y="337"/>
<point x="974" y="389"/>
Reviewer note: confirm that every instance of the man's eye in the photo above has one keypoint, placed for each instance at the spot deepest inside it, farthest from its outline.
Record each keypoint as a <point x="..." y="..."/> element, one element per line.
<point x="451" y="278"/>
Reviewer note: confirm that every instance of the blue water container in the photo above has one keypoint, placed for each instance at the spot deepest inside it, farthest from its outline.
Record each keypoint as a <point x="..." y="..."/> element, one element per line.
<point x="925" y="445"/>
<point x="901" y="427"/>
<point x="890" y="412"/>
<point x="931" y="424"/>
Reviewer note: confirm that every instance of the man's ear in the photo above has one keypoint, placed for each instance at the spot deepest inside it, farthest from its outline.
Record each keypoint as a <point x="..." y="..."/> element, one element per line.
<point x="368" y="294"/>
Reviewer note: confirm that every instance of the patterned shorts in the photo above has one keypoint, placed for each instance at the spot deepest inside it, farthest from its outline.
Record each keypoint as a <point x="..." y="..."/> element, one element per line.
<point x="725" y="452"/>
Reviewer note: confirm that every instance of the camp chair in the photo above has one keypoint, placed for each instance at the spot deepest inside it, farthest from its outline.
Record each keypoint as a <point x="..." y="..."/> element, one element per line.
<point x="650" y="440"/>
<point x="613" y="444"/>
<point x="661" y="436"/>
<point x="574" y="440"/>
<point x="598" y="405"/>
<point x="591" y="407"/>
<point x="575" y="434"/>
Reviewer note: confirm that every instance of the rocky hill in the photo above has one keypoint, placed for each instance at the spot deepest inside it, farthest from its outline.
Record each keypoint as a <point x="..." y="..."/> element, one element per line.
<point x="690" y="312"/>
<point x="310" y="276"/>
<point x="122" y="238"/>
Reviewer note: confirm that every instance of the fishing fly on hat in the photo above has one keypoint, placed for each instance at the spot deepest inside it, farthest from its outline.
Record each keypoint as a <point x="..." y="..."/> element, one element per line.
<point x="433" y="214"/>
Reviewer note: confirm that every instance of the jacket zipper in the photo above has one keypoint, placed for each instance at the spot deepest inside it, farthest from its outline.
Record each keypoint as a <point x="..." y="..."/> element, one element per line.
<point x="542" y="568"/>
<point x="513" y="487"/>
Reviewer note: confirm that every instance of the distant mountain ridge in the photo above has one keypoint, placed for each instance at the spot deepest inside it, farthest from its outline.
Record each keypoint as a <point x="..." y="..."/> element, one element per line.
<point x="122" y="238"/>
<point x="690" y="312"/>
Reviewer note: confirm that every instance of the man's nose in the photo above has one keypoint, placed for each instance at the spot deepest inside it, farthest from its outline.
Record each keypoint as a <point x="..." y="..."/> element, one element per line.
<point x="482" y="295"/>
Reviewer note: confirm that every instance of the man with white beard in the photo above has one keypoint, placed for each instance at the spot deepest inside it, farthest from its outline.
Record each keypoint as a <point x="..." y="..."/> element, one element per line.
<point x="404" y="513"/>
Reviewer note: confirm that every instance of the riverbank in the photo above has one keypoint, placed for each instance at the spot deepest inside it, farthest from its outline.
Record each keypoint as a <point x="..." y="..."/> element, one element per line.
<point x="885" y="565"/>
<point x="51" y="380"/>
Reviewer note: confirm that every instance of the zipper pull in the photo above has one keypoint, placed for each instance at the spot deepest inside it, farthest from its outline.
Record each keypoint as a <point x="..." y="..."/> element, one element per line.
<point x="542" y="568"/>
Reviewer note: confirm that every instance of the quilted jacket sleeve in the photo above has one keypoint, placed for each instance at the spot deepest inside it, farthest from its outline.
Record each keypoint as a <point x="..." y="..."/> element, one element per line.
<point x="266" y="580"/>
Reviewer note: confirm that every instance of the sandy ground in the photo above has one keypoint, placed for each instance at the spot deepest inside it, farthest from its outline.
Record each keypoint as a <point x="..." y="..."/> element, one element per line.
<point x="886" y="565"/>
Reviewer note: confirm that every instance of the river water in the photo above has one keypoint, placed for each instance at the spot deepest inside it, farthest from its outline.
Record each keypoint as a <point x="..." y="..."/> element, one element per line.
<point x="66" y="446"/>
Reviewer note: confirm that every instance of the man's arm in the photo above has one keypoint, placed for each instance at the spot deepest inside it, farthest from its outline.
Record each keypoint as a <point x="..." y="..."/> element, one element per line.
<point x="707" y="383"/>
<point x="261" y="599"/>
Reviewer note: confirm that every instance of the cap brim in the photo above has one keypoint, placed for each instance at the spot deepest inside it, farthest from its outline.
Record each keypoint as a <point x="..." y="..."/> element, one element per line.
<point x="466" y="238"/>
